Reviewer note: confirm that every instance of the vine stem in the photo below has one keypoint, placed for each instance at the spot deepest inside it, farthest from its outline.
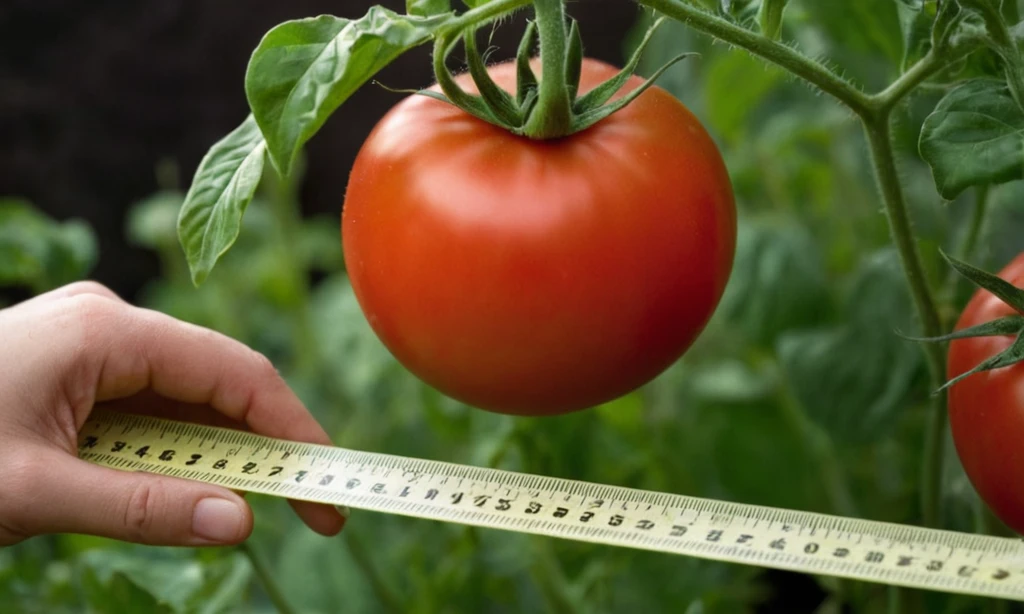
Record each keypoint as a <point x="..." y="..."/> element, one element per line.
<point x="880" y="140"/>
<point x="777" y="53"/>
<point x="266" y="578"/>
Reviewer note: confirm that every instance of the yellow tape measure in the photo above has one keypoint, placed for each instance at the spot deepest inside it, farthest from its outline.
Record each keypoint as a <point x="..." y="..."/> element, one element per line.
<point x="767" y="537"/>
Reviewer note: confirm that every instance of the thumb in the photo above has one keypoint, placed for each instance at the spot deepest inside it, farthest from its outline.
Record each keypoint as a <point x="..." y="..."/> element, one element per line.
<point x="73" y="496"/>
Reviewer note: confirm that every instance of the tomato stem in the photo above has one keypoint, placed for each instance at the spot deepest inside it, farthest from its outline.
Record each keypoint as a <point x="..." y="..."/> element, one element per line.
<point x="879" y="135"/>
<point x="777" y="53"/>
<point x="266" y="578"/>
<point x="552" y="115"/>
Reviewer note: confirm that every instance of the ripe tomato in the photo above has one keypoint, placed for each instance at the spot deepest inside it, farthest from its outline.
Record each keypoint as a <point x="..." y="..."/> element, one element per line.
<point x="538" y="277"/>
<point x="986" y="409"/>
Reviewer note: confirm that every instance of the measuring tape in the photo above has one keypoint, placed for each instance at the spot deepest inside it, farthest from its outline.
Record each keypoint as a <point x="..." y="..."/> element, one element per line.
<point x="737" y="533"/>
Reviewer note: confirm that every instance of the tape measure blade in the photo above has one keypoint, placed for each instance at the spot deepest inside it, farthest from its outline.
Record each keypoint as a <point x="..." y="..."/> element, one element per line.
<point x="579" y="511"/>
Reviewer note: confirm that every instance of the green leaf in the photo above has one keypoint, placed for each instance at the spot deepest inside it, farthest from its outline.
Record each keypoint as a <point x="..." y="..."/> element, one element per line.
<point x="778" y="281"/>
<point x="124" y="580"/>
<point x="221" y="190"/>
<point x="916" y="20"/>
<point x="770" y="17"/>
<point x="40" y="252"/>
<point x="975" y="136"/>
<point x="303" y="70"/>
<point x="855" y="378"/>
<point x="426" y="8"/>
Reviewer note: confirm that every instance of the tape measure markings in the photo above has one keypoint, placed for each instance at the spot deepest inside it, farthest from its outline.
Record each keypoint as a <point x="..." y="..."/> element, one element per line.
<point x="581" y="511"/>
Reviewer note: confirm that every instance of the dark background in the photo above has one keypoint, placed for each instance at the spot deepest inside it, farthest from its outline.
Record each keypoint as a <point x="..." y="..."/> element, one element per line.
<point x="95" y="95"/>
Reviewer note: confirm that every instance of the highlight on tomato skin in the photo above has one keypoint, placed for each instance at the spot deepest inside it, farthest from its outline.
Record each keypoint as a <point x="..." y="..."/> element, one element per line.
<point x="986" y="409"/>
<point x="536" y="277"/>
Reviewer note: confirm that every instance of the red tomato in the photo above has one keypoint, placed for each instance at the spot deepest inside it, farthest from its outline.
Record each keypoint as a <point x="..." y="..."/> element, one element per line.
<point x="538" y="277"/>
<point x="986" y="410"/>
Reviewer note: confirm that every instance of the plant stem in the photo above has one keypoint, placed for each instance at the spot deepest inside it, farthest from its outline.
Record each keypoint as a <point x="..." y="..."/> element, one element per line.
<point x="776" y="53"/>
<point x="266" y="578"/>
<point x="884" y="101"/>
<point x="552" y="115"/>
<point x="479" y="16"/>
<point x="879" y="137"/>
<point x="389" y="599"/>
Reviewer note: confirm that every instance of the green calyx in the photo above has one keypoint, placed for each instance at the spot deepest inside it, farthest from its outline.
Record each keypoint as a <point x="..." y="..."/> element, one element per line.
<point x="541" y="108"/>
<point x="1009" y="325"/>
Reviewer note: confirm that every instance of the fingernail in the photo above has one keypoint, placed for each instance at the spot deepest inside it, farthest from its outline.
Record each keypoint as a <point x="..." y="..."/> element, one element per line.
<point x="344" y="511"/>
<point x="217" y="520"/>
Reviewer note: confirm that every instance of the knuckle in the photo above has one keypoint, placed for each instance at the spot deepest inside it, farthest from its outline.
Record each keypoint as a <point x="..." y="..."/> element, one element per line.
<point x="89" y="287"/>
<point x="141" y="509"/>
<point x="264" y="367"/>
<point x="89" y="309"/>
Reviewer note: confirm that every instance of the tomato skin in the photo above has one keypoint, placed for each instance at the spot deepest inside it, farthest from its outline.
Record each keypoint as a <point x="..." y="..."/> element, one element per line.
<point x="538" y="277"/>
<point x="986" y="410"/>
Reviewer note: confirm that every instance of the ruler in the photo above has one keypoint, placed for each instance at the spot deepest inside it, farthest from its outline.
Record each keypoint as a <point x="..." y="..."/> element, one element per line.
<point x="792" y="540"/>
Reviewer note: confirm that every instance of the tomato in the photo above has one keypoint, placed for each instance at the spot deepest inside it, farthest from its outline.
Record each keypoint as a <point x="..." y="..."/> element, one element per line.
<point x="986" y="409"/>
<point x="538" y="277"/>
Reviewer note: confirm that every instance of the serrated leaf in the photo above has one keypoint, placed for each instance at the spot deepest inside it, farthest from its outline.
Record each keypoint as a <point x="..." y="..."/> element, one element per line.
<point x="778" y="281"/>
<point x="426" y="8"/>
<point x="303" y="70"/>
<point x="975" y="136"/>
<point x="171" y="583"/>
<point x="854" y="378"/>
<point x="222" y="188"/>
<point x="916" y="20"/>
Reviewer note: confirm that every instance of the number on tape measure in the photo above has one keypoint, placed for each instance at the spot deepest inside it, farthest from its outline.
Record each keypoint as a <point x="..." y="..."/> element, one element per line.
<point x="768" y="537"/>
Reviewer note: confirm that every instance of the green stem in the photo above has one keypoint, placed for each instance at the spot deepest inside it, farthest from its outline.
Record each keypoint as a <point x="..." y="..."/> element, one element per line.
<point x="266" y="578"/>
<point x="453" y="31"/>
<point x="879" y="138"/>
<point x="284" y="207"/>
<point x="776" y="53"/>
<point x="821" y="452"/>
<point x="479" y="16"/>
<point x="552" y="115"/>
<point x="884" y="101"/>
<point x="551" y="580"/>
<point x="389" y="599"/>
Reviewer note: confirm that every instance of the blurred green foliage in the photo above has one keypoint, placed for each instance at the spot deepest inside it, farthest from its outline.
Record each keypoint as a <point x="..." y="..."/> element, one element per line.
<point x="799" y="394"/>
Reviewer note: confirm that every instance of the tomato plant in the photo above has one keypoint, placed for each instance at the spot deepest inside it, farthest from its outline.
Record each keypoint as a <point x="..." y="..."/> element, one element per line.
<point x="501" y="241"/>
<point x="538" y="277"/>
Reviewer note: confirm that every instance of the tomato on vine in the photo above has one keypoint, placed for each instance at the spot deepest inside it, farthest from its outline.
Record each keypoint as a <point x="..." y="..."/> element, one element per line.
<point x="986" y="390"/>
<point x="538" y="246"/>
<point x="539" y="276"/>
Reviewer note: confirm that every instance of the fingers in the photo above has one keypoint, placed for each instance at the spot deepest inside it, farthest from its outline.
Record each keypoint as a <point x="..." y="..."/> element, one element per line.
<point x="142" y="349"/>
<point x="324" y="519"/>
<point x="80" y="497"/>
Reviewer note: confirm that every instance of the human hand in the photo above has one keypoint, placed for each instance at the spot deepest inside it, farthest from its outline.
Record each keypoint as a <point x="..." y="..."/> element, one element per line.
<point x="80" y="346"/>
